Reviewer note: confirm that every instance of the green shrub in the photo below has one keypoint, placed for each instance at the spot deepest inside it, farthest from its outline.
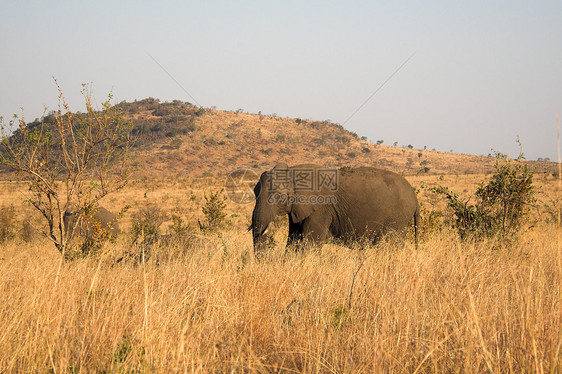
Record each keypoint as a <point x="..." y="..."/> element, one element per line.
<point x="214" y="207"/>
<point x="500" y="204"/>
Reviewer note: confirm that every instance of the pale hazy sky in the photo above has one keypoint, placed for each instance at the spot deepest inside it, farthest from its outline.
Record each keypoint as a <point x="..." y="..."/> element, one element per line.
<point x="483" y="72"/>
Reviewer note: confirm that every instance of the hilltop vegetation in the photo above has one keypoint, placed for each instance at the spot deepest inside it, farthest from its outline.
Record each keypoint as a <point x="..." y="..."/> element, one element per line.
<point x="178" y="138"/>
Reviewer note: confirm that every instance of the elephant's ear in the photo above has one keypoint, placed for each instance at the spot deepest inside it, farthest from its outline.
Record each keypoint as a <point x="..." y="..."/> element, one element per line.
<point x="301" y="207"/>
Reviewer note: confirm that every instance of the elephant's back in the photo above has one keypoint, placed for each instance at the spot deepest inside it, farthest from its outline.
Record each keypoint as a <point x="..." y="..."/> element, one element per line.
<point x="378" y="198"/>
<point x="377" y="181"/>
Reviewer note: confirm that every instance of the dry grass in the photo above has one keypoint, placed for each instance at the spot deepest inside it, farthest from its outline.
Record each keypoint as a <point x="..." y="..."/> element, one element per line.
<point x="448" y="307"/>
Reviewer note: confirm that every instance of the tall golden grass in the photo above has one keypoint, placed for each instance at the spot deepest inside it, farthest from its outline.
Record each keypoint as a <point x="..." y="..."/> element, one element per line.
<point x="447" y="307"/>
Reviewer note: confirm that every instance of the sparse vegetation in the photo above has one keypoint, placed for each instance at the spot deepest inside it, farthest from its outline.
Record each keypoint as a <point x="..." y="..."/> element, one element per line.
<point x="178" y="228"/>
<point x="146" y="223"/>
<point x="319" y="141"/>
<point x="176" y="143"/>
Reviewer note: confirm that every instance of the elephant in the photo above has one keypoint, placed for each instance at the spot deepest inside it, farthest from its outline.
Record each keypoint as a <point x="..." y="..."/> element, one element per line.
<point x="76" y="220"/>
<point x="347" y="204"/>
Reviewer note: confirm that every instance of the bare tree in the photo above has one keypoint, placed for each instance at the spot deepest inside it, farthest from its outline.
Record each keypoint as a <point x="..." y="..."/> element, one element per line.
<point x="70" y="160"/>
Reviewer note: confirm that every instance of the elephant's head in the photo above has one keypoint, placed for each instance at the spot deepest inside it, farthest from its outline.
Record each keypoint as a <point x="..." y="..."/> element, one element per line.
<point x="276" y="195"/>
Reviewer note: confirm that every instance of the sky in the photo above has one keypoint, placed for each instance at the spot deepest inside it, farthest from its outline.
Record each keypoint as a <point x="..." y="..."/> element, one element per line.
<point x="466" y="76"/>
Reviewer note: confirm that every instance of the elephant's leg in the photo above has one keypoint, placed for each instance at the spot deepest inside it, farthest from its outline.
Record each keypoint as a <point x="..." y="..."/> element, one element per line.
<point x="294" y="241"/>
<point x="295" y="235"/>
<point x="316" y="228"/>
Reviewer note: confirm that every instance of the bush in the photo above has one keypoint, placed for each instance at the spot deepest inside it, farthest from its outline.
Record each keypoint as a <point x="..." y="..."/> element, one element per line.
<point x="431" y="222"/>
<point x="146" y="223"/>
<point x="178" y="228"/>
<point x="214" y="211"/>
<point x="500" y="204"/>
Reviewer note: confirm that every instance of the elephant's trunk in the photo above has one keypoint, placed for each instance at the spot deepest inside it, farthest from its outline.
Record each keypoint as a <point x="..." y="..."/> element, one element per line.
<point x="262" y="217"/>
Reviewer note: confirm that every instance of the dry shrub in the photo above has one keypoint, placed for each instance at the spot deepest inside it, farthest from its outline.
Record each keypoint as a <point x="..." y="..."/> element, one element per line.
<point x="146" y="223"/>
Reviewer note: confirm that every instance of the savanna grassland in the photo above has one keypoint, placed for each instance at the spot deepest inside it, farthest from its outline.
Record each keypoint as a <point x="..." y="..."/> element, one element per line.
<point x="205" y="304"/>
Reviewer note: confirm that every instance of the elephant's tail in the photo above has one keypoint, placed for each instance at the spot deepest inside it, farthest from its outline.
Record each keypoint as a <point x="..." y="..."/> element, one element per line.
<point x="416" y="223"/>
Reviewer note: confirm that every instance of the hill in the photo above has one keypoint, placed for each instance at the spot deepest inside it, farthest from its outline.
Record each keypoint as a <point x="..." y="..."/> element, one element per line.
<point x="177" y="138"/>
